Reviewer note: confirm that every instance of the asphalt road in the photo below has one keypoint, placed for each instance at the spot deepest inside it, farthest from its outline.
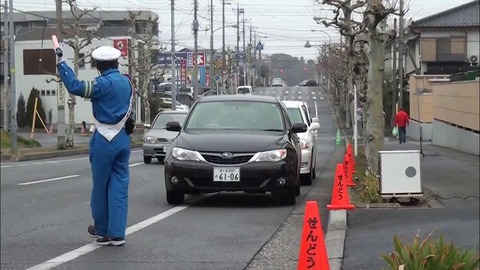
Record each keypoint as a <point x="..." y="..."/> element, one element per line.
<point x="45" y="212"/>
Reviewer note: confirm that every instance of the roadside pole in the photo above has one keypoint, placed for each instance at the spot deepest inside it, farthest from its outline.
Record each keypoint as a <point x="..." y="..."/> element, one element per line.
<point x="13" y="92"/>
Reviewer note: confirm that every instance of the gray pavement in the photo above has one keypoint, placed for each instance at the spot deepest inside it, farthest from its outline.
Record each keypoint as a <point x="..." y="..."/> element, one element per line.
<point x="49" y="140"/>
<point x="45" y="211"/>
<point x="452" y="175"/>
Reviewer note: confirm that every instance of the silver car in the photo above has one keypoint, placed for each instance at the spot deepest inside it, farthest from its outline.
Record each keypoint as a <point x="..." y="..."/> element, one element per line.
<point x="157" y="140"/>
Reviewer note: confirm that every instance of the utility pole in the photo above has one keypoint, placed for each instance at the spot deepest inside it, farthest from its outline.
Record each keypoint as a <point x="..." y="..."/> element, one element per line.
<point x="400" y="57"/>
<point x="174" y="65"/>
<point x="224" y="57"/>
<point x="394" y="76"/>
<point x="5" y="68"/>
<point x="249" y="62"/>
<point x="132" y="60"/>
<point x="195" y="51"/>
<point x="13" y="93"/>
<point x="212" y="65"/>
<point x="237" y="73"/>
<point x="254" y="62"/>
<point x="244" y="52"/>
<point x="61" y="89"/>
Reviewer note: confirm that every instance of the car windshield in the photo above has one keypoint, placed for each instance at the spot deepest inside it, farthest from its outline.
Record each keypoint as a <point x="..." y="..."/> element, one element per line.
<point x="164" y="118"/>
<point x="243" y="90"/>
<point x="295" y="115"/>
<point x="238" y="115"/>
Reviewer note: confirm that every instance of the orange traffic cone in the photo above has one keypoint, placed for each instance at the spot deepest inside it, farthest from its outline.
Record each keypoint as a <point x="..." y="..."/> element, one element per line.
<point x="340" y="197"/>
<point x="351" y="158"/>
<point x="347" y="173"/>
<point x="313" y="252"/>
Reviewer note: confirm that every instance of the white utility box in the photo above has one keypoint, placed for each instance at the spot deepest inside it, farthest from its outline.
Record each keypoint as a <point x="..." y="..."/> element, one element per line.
<point x="400" y="174"/>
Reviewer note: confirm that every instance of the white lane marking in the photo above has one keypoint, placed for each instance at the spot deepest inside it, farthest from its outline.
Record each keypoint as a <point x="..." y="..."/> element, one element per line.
<point x="286" y="92"/>
<point x="314" y="97"/>
<point x="322" y="98"/>
<point x="316" y="109"/>
<point x="48" y="180"/>
<point x="313" y="93"/>
<point x="50" y="162"/>
<point x="135" y="164"/>
<point x="69" y="256"/>
<point x="300" y="97"/>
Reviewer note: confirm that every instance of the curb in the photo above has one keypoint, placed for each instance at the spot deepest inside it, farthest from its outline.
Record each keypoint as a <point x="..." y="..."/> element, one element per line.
<point x="54" y="154"/>
<point x="335" y="238"/>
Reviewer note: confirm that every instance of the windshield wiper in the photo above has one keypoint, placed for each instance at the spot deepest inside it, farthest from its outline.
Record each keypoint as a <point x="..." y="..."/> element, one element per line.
<point x="272" y="129"/>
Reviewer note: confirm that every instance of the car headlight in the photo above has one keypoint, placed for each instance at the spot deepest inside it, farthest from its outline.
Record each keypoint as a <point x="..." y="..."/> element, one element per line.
<point x="271" y="156"/>
<point x="150" y="140"/>
<point x="184" y="154"/>
<point x="304" y="144"/>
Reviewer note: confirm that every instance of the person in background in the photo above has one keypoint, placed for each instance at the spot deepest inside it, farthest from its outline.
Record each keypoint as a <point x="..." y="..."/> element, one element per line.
<point x="401" y="122"/>
<point x="111" y="95"/>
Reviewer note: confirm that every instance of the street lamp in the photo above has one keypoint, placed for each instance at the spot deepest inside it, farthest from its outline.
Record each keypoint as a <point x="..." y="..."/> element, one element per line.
<point x="212" y="73"/>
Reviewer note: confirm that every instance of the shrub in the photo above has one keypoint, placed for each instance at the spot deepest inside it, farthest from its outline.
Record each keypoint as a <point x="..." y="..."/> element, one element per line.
<point x="21" y="112"/>
<point x="370" y="187"/>
<point x="430" y="255"/>
<point x="30" y="109"/>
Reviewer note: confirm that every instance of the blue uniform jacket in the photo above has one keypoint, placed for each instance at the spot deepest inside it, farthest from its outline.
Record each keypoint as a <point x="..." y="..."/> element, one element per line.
<point x="109" y="93"/>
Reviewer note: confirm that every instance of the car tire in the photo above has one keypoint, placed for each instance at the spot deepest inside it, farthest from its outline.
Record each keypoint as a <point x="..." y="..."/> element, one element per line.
<point x="287" y="198"/>
<point x="175" y="197"/>
<point x="147" y="160"/>
<point x="306" y="179"/>
<point x="161" y="159"/>
<point x="297" y="190"/>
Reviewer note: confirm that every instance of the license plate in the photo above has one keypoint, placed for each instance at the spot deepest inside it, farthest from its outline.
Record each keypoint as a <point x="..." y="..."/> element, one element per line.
<point x="226" y="174"/>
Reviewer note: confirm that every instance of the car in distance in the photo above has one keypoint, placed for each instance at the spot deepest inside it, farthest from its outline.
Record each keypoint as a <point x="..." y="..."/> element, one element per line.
<point x="308" y="83"/>
<point x="298" y="112"/>
<point x="157" y="139"/>
<point x="244" y="90"/>
<point x="277" y="82"/>
<point x="234" y="143"/>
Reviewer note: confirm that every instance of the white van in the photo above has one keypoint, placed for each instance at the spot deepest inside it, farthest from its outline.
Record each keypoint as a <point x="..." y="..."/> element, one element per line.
<point x="244" y="90"/>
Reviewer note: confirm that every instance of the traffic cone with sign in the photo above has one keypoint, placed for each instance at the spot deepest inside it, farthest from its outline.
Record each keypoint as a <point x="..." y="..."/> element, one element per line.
<point x="351" y="157"/>
<point x="313" y="252"/>
<point x="340" y="197"/>
<point x="347" y="173"/>
<point x="338" y="139"/>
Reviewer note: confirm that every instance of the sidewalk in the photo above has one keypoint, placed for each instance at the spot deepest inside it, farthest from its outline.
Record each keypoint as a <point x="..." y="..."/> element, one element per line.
<point x="452" y="175"/>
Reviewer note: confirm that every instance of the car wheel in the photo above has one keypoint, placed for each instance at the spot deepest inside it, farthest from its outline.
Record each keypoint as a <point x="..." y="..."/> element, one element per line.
<point x="161" y="159"/>
<point x="306" y="179"/>
<point x="288" y="198"/>
<point x="147" y="160"/>
<point x="175" y="197"/>
<point x="297" y="189"/>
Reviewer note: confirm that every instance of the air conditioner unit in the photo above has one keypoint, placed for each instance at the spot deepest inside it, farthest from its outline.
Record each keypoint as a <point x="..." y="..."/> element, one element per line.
<point x="474" y="59"/>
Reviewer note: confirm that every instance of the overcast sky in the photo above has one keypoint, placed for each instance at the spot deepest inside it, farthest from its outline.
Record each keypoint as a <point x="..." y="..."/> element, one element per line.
<point x="283" y="25"/>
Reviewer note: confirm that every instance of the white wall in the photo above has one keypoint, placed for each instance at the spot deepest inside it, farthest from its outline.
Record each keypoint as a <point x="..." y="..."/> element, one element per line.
<point x="473" y="43"/>
<point x="24" y="83"/>
<point x="459" y="139"/>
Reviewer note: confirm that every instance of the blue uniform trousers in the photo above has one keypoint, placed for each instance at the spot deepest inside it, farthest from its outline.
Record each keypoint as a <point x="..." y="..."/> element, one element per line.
<point x="109" y="201"/>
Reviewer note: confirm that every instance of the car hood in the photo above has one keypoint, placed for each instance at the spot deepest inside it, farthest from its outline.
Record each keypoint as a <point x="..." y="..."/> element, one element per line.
<point x="162" y="133"/>
<point x="231" y="141"/>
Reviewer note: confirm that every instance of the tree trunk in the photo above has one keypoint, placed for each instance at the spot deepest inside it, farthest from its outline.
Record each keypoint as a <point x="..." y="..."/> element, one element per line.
<point x="71" y="103"/>
<point x="146" y="103"/>
<point x="375" y="120"/>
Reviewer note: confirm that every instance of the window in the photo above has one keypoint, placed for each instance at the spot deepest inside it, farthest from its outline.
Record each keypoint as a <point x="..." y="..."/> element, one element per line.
<point x="236" y="115"/>
<point x="81" y="61"/>
<point x="443" y="47"/>
<point x="39" y="62"/>
<point x="295" y="115"/>
<point x="164" y="118"/>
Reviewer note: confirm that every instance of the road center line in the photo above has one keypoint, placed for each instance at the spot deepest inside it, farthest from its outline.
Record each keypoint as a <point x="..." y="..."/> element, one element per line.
<point x="135" y="164"/>
<point x="69" y="256"/>
<point x="48" y="180"/>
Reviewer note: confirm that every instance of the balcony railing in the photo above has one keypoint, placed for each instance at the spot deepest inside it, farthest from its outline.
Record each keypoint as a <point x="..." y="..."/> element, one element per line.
<point x="451" y="57"/>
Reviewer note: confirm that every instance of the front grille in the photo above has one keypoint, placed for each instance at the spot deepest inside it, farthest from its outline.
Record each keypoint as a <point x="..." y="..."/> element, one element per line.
<point x="217" y="159"/>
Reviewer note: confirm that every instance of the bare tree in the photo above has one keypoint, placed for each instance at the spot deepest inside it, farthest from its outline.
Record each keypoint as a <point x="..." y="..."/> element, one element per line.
<point x="78" y="37"/>
<point x="378" y="35"/>
<point x="348" y="27"/>
<point x="142" y="49"/>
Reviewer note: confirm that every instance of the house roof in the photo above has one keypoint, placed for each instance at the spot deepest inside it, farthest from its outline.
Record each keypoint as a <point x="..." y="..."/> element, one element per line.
<point x="466" y="15"/>
<point x="29" y="34"/>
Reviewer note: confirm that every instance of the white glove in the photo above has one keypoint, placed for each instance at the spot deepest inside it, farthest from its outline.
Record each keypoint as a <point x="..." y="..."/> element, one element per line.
<point x="59" y="53"/>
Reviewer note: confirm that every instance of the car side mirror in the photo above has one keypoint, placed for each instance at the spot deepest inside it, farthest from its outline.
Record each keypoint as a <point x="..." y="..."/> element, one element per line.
<point x="299" y="128"/>
<point x="146" y="126"/>
<point x="314" y="125"/>
<point x="173" y="126"/>
<point x="315" y="120"/>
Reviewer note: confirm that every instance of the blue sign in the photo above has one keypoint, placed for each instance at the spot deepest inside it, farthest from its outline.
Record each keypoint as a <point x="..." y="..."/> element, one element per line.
<point x="166" y="58"/>
<point x="259" y="46"/>
<point x="202" y="75"/>
<point x="241" y="56"/>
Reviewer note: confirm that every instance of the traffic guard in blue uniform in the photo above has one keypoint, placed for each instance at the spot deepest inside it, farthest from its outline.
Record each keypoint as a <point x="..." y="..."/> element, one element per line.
<point x="111" y="97"/>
